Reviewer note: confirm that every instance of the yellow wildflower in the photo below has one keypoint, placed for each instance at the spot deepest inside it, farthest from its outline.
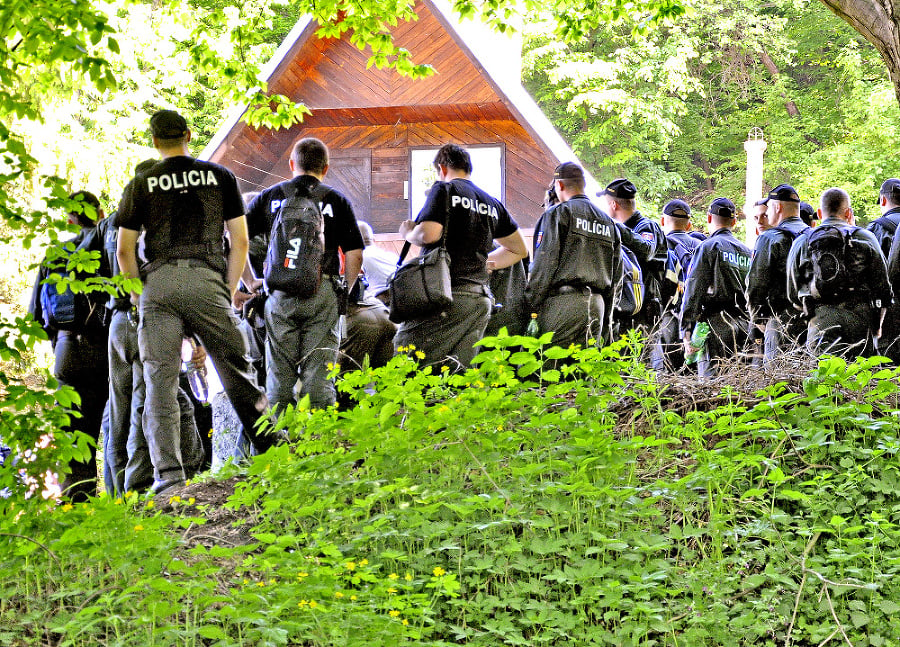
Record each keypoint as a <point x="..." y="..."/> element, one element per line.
<point x="363" y="562"/>
<point x="118" y="501"/>
<point x="175" y="499"/>
<point x="438" y="571"/>
<point x="408" y="577"/>
<point x="420" y="354"/>
<point x="139" y="527"/>
<point x="351" y="566"/>
<point x="393" y="576"/>
<point x="313" y="604"/>
<point x="392" y="590"/>
<point x="393" y="613"/>
<point x="150" y="504"/>
<point x="301" y="575"/>
<point x="338" y="594"/>
<point x="405" y="622"/>
<point x="353" y="597"/>
<point x="260" y="584"/>
<point x="191" y="501"/>
<point x="302" y="603"/>
<point x="66" y="507"/>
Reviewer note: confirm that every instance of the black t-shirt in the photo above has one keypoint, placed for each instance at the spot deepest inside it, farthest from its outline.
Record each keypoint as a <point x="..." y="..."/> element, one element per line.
<point x="181" y="202"/>
<point x="341" y="230"/>
<point x="475" y="220"/>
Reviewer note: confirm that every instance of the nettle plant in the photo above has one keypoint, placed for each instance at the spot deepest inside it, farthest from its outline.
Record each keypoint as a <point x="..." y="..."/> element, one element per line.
<point x="545" y="496"/>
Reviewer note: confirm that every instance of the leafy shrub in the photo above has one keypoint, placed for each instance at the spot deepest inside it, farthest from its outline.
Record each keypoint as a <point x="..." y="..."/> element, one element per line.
<point x="508" y="505"/>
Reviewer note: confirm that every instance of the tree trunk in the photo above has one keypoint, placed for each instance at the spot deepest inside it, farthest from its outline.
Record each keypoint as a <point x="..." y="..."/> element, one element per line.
<point x="790" y="106"/>
<point x="703" y="164"/>
<point x="879" y="23"/>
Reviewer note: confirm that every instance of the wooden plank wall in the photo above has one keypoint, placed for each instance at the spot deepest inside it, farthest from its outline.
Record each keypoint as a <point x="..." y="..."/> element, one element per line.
<point x="528" y="167"/>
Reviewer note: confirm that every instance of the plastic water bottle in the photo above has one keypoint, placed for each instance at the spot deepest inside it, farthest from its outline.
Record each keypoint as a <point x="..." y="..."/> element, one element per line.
<point x="698" y="341"/>
<point x="196" y="375"/>
<point x="533" y="330"/>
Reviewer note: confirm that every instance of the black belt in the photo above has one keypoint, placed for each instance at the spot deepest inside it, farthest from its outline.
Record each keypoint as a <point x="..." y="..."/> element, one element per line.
<point x="473" y="288"/>
<point x="182" y="262"/>
<point x="325" y="278"/>
<point x="574" y="289"/>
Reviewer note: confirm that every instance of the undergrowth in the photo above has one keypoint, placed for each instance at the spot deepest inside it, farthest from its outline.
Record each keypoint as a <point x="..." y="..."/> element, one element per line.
<point x="505" y="506"/>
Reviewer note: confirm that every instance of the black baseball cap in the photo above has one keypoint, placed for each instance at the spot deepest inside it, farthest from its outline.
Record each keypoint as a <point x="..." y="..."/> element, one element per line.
<point x="568" y="171"/>
<point x="807" y="213"/>
<point x="168" y="124"/>
<point x="890" y="189"/>
<point x="782" y="193"/>
<point x="620" y="188"/>
<point x="677" y="209"/>
<point x="723" y="208"/>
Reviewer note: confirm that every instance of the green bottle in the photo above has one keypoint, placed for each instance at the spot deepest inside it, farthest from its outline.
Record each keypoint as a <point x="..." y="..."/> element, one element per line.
<point x="532" y="330"/>
<point x="698" y="341"/>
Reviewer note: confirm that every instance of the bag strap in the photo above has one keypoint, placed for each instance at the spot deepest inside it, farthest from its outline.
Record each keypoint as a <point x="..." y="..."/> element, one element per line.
<point x="407" y="244"/>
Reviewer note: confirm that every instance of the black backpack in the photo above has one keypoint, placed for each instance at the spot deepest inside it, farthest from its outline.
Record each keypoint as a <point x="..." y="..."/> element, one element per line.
<point x="678" y="261"/>
<point x="297" y="245"/>
<point x="632" y="299"/>
<point x="836" y="266"/>
<point x="63" y="307"/>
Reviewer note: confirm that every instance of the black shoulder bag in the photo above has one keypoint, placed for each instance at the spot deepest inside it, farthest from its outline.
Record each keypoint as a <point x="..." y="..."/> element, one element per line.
<point x="421" y="287"/>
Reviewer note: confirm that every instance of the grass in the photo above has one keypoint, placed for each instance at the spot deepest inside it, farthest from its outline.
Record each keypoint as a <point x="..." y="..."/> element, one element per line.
<point x="546" y="497"/>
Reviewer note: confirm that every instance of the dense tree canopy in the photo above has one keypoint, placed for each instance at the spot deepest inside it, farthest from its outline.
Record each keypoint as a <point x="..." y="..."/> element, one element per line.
<point x="674" y="107"/>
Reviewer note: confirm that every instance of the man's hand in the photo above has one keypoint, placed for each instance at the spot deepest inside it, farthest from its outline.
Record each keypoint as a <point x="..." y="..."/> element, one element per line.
<point x="240" y="298"/>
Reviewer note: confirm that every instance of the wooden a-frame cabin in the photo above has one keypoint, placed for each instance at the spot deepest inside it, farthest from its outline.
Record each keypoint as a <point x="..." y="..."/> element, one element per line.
<point x="382" y="128"/>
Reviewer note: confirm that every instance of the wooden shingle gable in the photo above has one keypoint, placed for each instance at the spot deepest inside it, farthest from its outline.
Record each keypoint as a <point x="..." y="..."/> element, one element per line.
<point x="372" y="119"/>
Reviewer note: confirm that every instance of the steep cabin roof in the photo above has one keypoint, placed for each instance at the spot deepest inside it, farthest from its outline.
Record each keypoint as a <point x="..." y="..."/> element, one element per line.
<point x="372" y="118"/>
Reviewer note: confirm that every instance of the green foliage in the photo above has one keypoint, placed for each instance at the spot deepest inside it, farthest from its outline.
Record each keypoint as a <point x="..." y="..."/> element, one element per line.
<point x="547" y="496"/>
<point x="672" y="108"/>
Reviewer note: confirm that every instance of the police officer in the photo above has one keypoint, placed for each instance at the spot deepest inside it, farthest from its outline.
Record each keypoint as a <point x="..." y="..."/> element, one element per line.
<point x="302" y="334"/>
<point x="885" y="227"/>
<point x="668" y="351"/>
<point x="760" y="214"/>
<point x="472" y="219"/>
<point x="576" y="275"/>
<point x="126" y="456"/>
<point x="714" y="290"/>
<point x="808" y="214"/>
<point x="775" y="322"/>
<point x="845" y="320"/>
<point x="185" y="205"/>
<point x="368" y="331"/>
<point x="889" y="201"/>
<point x="646" y="239"/>
<point x="80" y="353"/>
